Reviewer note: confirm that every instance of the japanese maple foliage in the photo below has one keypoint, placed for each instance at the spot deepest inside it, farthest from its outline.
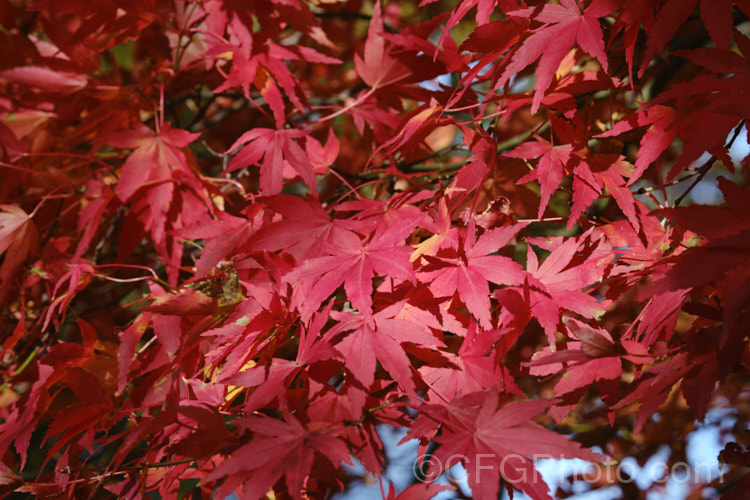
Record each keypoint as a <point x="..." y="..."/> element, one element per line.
<point x="238" y="237"/>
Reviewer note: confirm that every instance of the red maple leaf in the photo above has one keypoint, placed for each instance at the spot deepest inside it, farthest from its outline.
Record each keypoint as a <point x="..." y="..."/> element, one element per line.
<point x="565" y="25"/>
<point x="278" y="150"/>
<point x="303" y="224"/>
<point x="484" y="10"/>
<point x="271" y="381"/>
<point x="353" y="264"/>
<point x="652" y="389"/>
<point x="611" y="171"/>
<point x="594" y="357"/>
<point x="716" y="15"/>
<point x="158" y="166"/>
<point x="378" y="68"/>
<point x="221" y="237"/>
<point x="203" y="432"/>
<point x="727" y="232"/>
<point x="379" y="338"/>
<point x="471" y="369"/>
<point x="444" y="235"/>
<point x="703" y="116"/>
<point x="44" y="79"/>
<point x="320" y="156"/>
<point x="288" y="448"/>
<point x="724" y="253"/>
<point x="637" y="249"/>
<point x="155" y="162"/>
<point x="418" y="491"/>
<point x="550" y="168"/>
<point x="468" y="269"/>
<point x="18" y="239"/>
<point x="415" y="128"/>
<point x="494" y="442"/>
<point x="559" y="282"/>
<point x="663" y="128"/>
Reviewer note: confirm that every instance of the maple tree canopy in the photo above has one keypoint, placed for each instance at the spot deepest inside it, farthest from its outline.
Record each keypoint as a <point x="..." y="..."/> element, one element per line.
<point x="238" y="237"/>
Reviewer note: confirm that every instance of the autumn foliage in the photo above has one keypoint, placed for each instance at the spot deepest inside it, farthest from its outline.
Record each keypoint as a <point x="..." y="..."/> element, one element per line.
<point x="237" y="237"/>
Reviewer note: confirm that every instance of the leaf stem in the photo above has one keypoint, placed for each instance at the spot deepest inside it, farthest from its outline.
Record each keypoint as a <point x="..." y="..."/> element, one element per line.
<point x="21" y="368"/>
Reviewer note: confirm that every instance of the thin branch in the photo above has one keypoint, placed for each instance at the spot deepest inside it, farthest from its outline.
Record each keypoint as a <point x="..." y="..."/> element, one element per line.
<point x="353" y="16"/>
<point x="703" y="170"/>
<point x="644" y="190"/>
<point x="122" y="470"/>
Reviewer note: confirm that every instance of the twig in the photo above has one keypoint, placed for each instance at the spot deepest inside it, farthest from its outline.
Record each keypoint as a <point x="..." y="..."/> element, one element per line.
<point x="69" y="470"/>
<point x="703" y="170"/>
<point x="644" y="190"/>
<point x="353" y="16"/>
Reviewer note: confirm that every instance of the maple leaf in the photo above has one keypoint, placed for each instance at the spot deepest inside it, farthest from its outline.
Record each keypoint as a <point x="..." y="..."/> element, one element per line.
<point x="378" y="68"/>
<point x="99" y="197"/>
<point x="320" y="156"/>
<point x="378" y="338"/>
<point x="638" y="13"/>
<point x="706" y="129"/>
<point x="153" y="162"/>
<point x="222" y="237"/>
<point x="716" y="15"/>
<point x="10" y="481"/>
<point x="469" y="269"/>
<point x="559" y="282"/>
<point x="129" y="338"/>
<point x="206" y="426"/>
<point x="413" y="492"/>
<point x="592" y="172"/>
<point x="727" y="232"/>
<point x="549" y="169"/>
<point x="471" y="369"/>
<point x="497" y="442"/>
<point x="724" y="254"/>
<point x="155" y="165"/>
<point x="18" y="240"/>
<point x="610" y="171"/>
<point x="11" y="148"/>
<point x="267" y="72"/>
<point x="277" y="149"/>
<point x="361" y="300"/>
<point x="353" y="264"/>
<point x="78" y="277"/>
<point x="303" y="224"/>
<point x="484" y="9"/>
<point x="637" y="249"/>
<point x="652" y="389"/>
<point x="415" y="40"/>
<point x="271" y="381"/>
<point x="414" y="130"/>
<point x="44" y="79"/>
<point x="594" y="357"/>
<point x="444" y="235"/>
<point x="187" y="302"/>
<point x="722" y="61"/>
<point x="21" y="420"/>
<point x="662" y="131"/>
<point x="564" y="26"/>
<point x="288" y="447"/>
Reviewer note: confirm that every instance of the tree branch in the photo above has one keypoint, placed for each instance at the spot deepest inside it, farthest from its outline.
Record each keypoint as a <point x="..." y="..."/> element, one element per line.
<point x="703" y="170"/>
